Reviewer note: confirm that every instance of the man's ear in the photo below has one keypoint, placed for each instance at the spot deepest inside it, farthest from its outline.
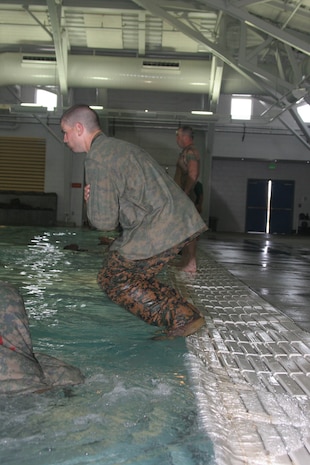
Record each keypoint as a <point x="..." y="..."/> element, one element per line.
<point x="79" y="128"/>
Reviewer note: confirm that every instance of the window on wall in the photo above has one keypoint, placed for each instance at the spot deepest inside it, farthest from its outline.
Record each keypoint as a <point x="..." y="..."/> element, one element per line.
<point x="304" y="112"/>
<point x="241" y="107"/>
<point x="46" y="98"/>
<point x="22" y="164"/>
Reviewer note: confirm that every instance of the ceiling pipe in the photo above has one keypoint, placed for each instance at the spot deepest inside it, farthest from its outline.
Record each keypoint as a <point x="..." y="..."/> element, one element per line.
<point x="192" y="76"/>
<point x="105" y="72"/>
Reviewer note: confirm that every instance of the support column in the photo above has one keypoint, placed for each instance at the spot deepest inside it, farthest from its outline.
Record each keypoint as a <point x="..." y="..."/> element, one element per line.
<point x="205" y="173"/>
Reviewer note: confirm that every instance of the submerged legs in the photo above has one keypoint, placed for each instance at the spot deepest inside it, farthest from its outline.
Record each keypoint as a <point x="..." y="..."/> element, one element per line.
<point x="133" y="285"/>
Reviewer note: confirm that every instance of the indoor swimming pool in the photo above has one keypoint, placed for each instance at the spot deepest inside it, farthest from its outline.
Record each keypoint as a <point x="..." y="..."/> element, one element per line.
<point x="137" y="406"/>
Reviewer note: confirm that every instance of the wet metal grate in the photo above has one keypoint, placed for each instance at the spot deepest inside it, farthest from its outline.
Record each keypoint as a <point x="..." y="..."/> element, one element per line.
<point x="250" y="368"/>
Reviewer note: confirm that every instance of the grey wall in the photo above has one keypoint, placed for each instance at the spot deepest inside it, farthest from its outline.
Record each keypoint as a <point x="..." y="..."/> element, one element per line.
<point x="229" y="188"/>
<point x="225" y="194"/>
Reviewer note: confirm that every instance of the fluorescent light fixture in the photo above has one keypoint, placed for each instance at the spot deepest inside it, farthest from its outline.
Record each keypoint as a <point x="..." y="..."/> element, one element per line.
<point x="201" y="112"/>
<point x="96" y="107"/>
<point x="31" y="104"/>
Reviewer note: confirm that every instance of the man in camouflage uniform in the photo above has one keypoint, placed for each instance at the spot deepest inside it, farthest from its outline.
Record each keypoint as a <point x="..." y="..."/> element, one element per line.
<point x="186" y="176"/>
<point x="20" y="370"/>
<point x="125" y="187"/>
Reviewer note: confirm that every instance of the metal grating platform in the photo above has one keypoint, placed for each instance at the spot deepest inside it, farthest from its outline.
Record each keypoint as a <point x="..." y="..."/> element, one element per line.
<point x="250" y="367"/>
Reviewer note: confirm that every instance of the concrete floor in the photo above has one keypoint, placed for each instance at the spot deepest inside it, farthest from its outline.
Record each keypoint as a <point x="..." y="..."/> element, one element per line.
<point x="276" y="267"/>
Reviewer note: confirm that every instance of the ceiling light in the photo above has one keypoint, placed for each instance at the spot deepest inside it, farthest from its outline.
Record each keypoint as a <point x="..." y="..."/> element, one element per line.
<point x="31" y="105"/>
<point x="201" y="112"/>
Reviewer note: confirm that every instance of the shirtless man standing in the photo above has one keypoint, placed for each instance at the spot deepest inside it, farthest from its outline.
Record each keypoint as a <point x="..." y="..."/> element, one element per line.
<point x="186" y="176"/>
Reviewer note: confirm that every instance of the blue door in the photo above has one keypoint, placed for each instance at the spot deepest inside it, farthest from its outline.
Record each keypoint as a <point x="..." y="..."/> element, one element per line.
<point x="281" y="208"/>
<point x="270" y="206"/>
<point x="257" y="201"/>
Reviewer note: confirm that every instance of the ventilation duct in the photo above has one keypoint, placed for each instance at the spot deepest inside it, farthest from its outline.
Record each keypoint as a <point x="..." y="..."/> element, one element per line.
<point x="38" y="59"/>
<point x="90" y="71"/>
<point x="191" y="76"/>
<point x="173" y="65"/>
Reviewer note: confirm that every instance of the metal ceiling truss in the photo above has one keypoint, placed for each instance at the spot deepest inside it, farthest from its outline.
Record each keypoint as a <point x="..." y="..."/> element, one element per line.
<point x="266" y="42"/>
<point x="286" y="49"/>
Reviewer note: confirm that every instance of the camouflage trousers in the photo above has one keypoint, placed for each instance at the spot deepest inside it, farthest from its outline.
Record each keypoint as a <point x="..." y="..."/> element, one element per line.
<point x="133" y="285"/>
<point x="20" y="370"/>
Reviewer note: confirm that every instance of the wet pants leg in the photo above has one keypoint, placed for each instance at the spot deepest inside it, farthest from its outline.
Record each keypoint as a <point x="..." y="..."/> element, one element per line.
<point x="22" y="371"/>
<point x="133" y="285"/>
<point x="19" y="370"/>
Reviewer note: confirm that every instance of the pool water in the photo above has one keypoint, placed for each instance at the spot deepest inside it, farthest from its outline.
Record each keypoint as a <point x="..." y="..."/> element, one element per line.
<point x="137" y="406"/>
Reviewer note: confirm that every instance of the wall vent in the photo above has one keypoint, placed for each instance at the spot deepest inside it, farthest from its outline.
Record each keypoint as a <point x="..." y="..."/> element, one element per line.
<point x="174" y="65"/>
<point x="38" y="59"/>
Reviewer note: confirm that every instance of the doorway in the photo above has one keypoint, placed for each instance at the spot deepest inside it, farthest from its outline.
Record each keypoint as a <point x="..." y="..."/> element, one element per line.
<point x="269" y="207"/>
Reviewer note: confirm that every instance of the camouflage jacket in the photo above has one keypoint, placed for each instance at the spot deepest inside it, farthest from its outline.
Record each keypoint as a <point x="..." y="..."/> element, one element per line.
<point x="129" y="189"/>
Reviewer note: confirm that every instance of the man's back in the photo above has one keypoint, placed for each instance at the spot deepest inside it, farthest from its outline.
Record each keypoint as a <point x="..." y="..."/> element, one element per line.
<point x="128" y="187"/>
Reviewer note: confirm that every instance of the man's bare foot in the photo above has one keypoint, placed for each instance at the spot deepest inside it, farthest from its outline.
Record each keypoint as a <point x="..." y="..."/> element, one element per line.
<point x="188" y="268"/>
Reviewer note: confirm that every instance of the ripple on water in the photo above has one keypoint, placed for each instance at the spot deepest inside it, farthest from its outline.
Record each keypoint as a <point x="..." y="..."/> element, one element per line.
<point x="136" y="406"/>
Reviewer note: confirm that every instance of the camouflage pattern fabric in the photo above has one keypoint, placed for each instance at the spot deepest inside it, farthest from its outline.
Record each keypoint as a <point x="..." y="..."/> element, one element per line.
<point x="20" y="370"/>
<point x="130" y="189"/>
<point x="133" y="285"/>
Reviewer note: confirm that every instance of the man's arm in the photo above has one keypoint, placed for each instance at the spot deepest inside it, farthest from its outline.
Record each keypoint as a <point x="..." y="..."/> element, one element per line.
<point x="192" y="175"/>
<point x="101" y="199"/>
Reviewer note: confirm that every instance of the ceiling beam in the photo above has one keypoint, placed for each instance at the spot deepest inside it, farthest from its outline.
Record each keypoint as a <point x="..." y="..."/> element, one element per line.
<point x="302" y="126"/>
<point x="153" y="7"/>
<point x="60" y="43"/>
<point x="293" y="13"/>
<point x="257" y="23"/>
<point x="242" y="3"/>
<point x="141" y="37"/>
<point x="26" y="8"/>
<point x="262" y="79"/>
<point x="299" y="137"/>
<point x="215" y="82"/>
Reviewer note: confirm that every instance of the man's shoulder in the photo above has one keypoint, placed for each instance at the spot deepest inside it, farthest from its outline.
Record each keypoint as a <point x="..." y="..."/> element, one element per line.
<point x="191" y="152"/>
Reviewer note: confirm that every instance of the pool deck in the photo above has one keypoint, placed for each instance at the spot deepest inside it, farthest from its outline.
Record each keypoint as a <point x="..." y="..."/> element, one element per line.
<point x="250" y="364"/>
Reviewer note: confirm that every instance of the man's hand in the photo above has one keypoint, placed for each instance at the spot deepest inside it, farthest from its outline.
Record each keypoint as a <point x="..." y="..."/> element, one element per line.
<point x="86" y="192"/>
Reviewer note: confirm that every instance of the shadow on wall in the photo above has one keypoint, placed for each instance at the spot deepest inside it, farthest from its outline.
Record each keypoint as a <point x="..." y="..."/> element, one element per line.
<point x="221" y="215"/>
